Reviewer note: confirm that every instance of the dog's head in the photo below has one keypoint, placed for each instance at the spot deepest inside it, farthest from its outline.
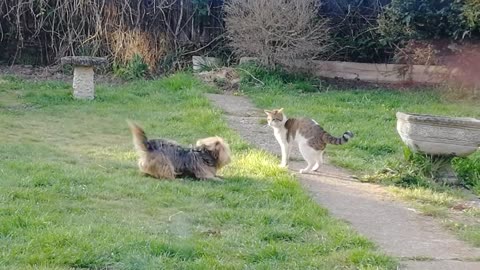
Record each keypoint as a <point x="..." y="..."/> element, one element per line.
<point x="218" y="147"/>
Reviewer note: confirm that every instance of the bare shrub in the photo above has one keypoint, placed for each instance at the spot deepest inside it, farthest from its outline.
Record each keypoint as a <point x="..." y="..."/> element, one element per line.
<point x="161" y="32"/>
<point x="276" y="31"/>
<point x="416" y="52"/>
<point x="119" y="29"/>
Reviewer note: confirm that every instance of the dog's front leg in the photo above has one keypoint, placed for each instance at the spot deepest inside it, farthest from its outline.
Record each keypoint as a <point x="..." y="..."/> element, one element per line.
<point x="206" y="175"/>
<point x="217" y="179"/>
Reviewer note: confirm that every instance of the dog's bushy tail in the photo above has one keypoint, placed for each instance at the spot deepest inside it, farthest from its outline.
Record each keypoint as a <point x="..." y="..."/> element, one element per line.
<point x="140" y="140"/>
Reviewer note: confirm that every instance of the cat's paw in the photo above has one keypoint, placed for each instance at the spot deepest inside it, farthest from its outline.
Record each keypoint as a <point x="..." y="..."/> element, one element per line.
<point x="303" y="171"/>
<point x="283" y="165"/>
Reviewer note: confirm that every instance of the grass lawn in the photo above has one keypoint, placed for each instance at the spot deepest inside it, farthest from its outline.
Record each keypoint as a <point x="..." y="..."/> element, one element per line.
<point x="370" y="114"/>
<point x="71" y="195"/>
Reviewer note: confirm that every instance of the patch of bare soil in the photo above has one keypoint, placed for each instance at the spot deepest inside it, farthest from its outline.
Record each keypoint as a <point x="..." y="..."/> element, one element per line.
<point x="225" y="78"/>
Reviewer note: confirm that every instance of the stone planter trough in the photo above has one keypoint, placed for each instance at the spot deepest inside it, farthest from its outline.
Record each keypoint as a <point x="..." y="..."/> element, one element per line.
<point x="441" y="137"/>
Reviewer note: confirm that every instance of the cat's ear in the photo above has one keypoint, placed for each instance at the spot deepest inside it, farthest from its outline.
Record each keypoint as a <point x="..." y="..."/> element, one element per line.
<point x="280" y="110"/>
<point x="268" y="112"/>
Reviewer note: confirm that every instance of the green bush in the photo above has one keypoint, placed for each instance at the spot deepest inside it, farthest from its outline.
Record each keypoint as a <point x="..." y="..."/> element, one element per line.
<point x="471" y="15"/>
<point x="136" y="68"/>
<point x="367" y="32"/>
<point x="355" y="36"/>
<point x="360" y="45"/>
<point x="468" y="169"/>
<point x="403" y="20"/>
<point x="418" y="170"/>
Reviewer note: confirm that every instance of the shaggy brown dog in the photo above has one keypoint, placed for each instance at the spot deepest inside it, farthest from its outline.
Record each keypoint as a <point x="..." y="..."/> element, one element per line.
<point x="167" y="160"/>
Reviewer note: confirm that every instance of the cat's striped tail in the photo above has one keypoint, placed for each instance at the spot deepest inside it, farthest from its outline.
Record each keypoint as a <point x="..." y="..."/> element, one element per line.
<point x="347" y="135"/>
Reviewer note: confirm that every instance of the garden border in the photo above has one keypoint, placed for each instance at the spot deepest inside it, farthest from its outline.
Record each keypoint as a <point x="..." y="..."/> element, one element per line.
<point x="377" y="73"/>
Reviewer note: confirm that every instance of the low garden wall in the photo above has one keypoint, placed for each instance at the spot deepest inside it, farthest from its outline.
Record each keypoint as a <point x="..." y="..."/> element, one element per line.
<point x="378" y="73"/>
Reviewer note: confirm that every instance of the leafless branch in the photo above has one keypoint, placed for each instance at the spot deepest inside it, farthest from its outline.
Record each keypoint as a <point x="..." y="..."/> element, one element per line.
<point x="276" y="31"/>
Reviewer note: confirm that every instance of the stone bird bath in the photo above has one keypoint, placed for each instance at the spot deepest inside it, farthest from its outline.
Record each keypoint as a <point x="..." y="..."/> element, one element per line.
<point x="83" y="74"/>
<point x="440" y="137"/>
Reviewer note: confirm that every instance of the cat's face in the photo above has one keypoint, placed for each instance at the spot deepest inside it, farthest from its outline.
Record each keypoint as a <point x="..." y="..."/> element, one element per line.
<point x="275" y="118"/>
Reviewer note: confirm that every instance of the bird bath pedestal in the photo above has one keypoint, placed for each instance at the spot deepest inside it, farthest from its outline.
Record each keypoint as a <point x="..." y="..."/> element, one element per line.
<point x="440" y="137"/>
<point x="83" y="74"/>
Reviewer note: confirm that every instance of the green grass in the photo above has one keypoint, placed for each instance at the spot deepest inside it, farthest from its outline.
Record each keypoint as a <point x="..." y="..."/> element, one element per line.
<point x="464" y="223"/>
<point x="376" y="152"/>
<point x="72" y="197"/>
<point x="470" y="233"/>
<point x="370" y="114"/>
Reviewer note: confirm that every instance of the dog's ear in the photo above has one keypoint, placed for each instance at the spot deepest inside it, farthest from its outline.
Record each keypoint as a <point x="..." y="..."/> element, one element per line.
<point x="280" y="110"/>
<point x="267" y="112"/>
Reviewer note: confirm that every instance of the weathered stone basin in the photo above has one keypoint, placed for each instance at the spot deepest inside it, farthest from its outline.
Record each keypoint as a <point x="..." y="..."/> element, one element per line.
<point x="439" y="135"/>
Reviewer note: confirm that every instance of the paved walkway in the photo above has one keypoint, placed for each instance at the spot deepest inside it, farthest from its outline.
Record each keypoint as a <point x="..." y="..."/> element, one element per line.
<point x="418" y="241"/>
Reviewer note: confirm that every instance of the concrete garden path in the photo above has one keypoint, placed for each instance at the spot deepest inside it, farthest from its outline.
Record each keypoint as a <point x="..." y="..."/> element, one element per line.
<point x="417" y="241"/>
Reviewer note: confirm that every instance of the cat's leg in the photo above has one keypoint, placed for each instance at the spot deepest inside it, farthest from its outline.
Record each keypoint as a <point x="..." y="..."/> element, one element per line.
<point x="282" y="141"/>
<point x="285" y="147"/>
<point x="319" y="160"/>
<point x="289" y="150"/>
<point x="310" y="156"/>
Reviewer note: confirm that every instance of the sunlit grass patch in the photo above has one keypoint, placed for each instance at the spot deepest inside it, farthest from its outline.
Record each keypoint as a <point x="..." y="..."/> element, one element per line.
<point x="71" y="195"/>
<point x="470" y="233"/>
<point x="376" y="153"/>
<point x="429" y="196"/>
<point x="370" y="114"/>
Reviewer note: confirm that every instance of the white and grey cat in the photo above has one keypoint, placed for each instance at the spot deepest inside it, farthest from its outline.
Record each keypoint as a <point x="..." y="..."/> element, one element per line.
<point x="311" y="138"/>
